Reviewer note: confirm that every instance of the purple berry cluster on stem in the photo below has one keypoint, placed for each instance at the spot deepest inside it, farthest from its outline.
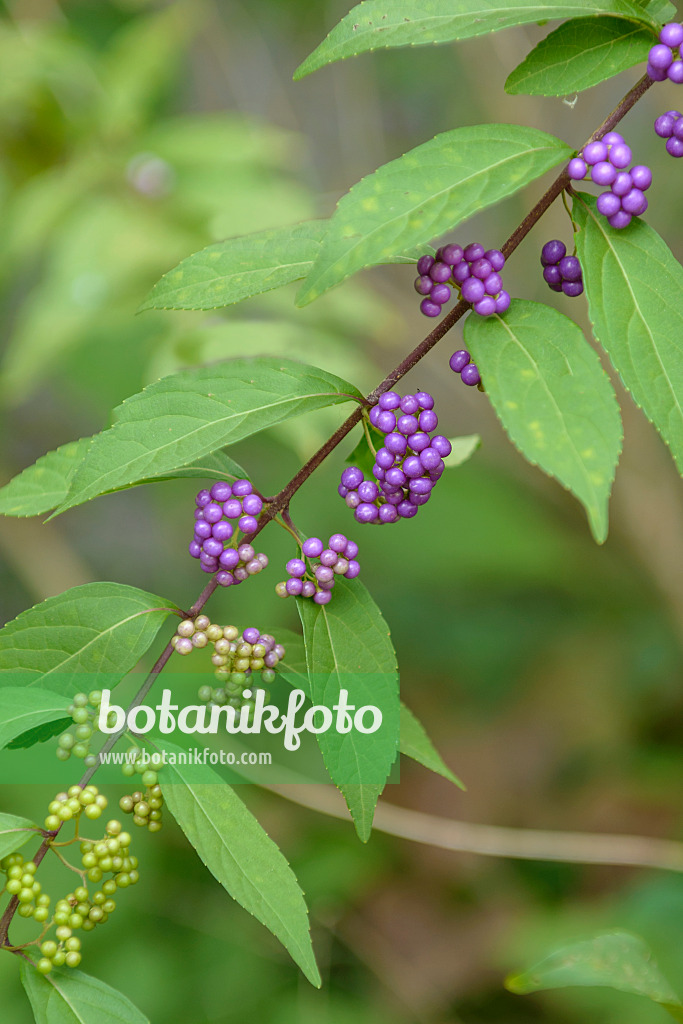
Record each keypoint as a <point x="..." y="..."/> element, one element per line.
<point x="604" y="162"/>
<point x="406" y="467"/>
<point x="664" y="59"/>
<point x="461" y="362"/>
<point x="221" y="515"/>
<point x="473" y="272"/>
<point x="669" y="126"/>
<point x="562" y="273"/>
<point x="317" y="578"/>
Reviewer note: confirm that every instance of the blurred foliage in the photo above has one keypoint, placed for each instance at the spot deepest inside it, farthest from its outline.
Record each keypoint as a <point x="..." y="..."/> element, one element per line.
<point x="547" y="670"/>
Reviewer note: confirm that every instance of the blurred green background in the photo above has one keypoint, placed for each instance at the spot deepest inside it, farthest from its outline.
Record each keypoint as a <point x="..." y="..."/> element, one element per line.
<point x="548" y="670"/>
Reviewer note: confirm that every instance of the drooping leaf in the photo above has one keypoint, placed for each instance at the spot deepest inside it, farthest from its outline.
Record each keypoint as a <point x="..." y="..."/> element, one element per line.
<point x="40" y="734"/>
<point x="44" y="485"/>
<point x="68" y="996"/>
<point x="14" y="832"/>
<point x="634" y="286"/>
<point x="229" y="271"/>
<point x="182" y="418"/>
<point x="23" y="708"/>
<point x="380" y="24"/>
<point x="553" y="398"/>
<point x="462" y="449"/>
<point x="348" y="647"/>
<point x="579" y="54"/>
<point x="415" y="743"/>
<point x="616" y="960"/>
<point x="96" y="628"/>
<point x="241" y="856"/>
<point x="426" y="192"/>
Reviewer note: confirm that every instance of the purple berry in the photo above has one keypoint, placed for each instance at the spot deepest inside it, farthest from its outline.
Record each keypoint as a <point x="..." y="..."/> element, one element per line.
<point x="482" y="268"/>
<point x="365" y="513"/>
<point x="470" y="375"/>
<point x="440" y="272"/>
<point x="385" y="421"/>
<point x="675" y="72"/>
<point x="674" y="147"/>
<point x="294" y="587"/>
<point x="395" y="443"/>
<point x="307" y="590"/>
<point x="441" y="293"/>
<point x="660" y="57"/>
<point x="493" y="284"/>
<point x="351" y="477"/>
<point x="213" y="512"/>
<point x="352" y="500"/>
<point x="328" y="557"/>
<point x="322" y="597"/>
<point x="385" y="458"/>
<point x="202" y="529"/>
<point x="241" y="487"/>
<point x="503" y="302"/>
<point x="430" y="457"/>
<point x="612" y="138"/>
<point x="377" y="472"/>
<point x="409" y="405"/>
<point x="338" y="543"/>
<point x="248" y="524"/>
<point x="430" y="308"/>
<point x="407" y="425"/>
<point x="251" y="635"/>
<point x="425" y="264"/>
<point x="485" y="306"/>
<point x="572" y="288"/>
<point x="621" y="219"/>
<point x="368" y="491"/>
<point x="595" y="153"/>
<point x="656" y="74"/>
<point x="387" y="514"/>
<point x="678" y="133"/>
<point x="229" y="559"/>
<point x="634" y="202"/>
<point x="473" y="289"/>
<point x="623" y="183"/>
<point x="213" y="547"/>
<point x="552" y="252"/>
<point x="195" y="549"/>
<point x="423" y="284"/>
<point x="374" y="413"/>
<point x="428" y="420"/>
<point x="224" y="578"/>
<point x="313" y="547"/>
<point x="473" y="251"/>
<point x="641" y="176"/>
<point x="419" y="441"/>
<point x="351" y="549"/>
<point x="664" y="126"/>
<point x="418" y="485"/>
<point x="551" y="276"/>
<point x="252" y="504"/>
<point x="203" y="498"/>
<point x="495" y="258"/>
<point x="395" y="477"/>
<point x="604" y="173"/>
<point x="458" y="360"/>
<point x="570" y="268"/>
<point x="222" y="531"/>
<point x="672" y="34"/>
<point x="577" y="169"/>
<point x="608" y="204"/>
<point x="407" y="509"/>
<point x="232" y="508"/>
<point x="221" y="491"/>
<point x="441" y="445"/>
<point x="295" y="567"/>
<point x="389" y="400"/>
<point x="619" y="156"/>
<point x="424" y="400"/>
<point x="452" y="254"/>
<point x="461" y="272"/>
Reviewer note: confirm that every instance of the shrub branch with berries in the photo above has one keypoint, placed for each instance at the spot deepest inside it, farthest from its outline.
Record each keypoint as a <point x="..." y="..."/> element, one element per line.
<point x="528" y="358"/>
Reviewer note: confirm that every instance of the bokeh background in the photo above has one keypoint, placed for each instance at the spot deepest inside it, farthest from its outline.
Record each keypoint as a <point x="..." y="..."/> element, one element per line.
<point x="548" y="670"/>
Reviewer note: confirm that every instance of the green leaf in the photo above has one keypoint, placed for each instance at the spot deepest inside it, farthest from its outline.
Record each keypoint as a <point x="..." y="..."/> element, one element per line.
<point x="426" y="192"/>
<point x="415" y="743"/>
<point x="616" y="960"/>
<point x="380" y="24"/>
<point x="462" y="449"/>
<point x="45" y="484"/>
<point x="348" y="647"/>
<point x="579" y="54"/>
<point x="67" y="996"/>
<point x="95" y="628"/>
<point x="23" y="708"/>
<point x="40" y="734"/>
<point x="236" y="269"/>
<point x="184" y="417"/>
<point x="553" y="398"/>
<point x="241" y="856"/>
<point x="634" y="286"/>
<point x="14" y="832"/>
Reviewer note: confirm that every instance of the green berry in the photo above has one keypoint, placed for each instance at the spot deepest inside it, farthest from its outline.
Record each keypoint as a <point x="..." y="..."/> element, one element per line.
<point x="72" y="959"/>
<point x="149" y="778"/>
<point x="92" y="811"/>
<point x="66" y="741"/>
<point x="41" y="914"/>
<point x="128" y="770"/>
<point x="44" y="965"/>
<point x="80" y="750"/>
<point x="48" y="948"/>
<point x="80" y="716"/>
<point x="63" y="933"/>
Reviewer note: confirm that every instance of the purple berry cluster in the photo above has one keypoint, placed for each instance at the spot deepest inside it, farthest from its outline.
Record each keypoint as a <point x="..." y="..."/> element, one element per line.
<point x="461" y="362"/>
<point x="472" y="271"/>
<point x="664" y="59"/>
<point x="606" y="161"/>
<point x="562" y="273"/>
<point x="406" y="467"/>
<point x="669" y="126"/>
<point x="214" y="526"/>
<point x="317" y="579"/>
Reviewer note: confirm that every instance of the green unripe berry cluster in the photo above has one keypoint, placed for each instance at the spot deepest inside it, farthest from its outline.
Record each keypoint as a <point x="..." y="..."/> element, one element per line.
<point x="146" y="808"/>
<point x="139" y="763"/>
<point x="22" y="883"/>
<point x="75" y="742"/>
<point x="235" y="659"/>
<point x="70" y="805"/>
